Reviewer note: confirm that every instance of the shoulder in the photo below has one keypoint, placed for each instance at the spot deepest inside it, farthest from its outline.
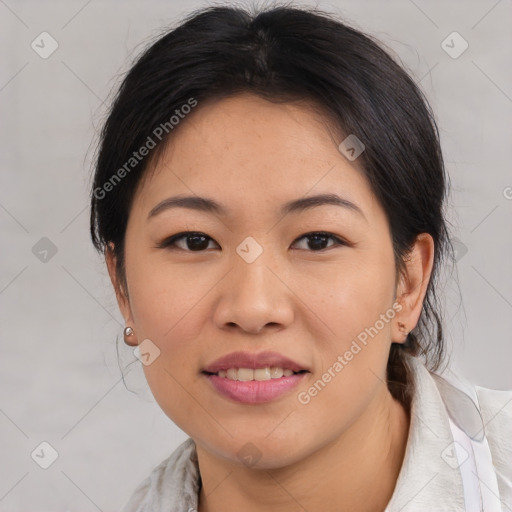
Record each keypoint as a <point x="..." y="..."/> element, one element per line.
<point x="496" y="409"/>
<point x="496" y="406"/>
<point x="172" y="485"/>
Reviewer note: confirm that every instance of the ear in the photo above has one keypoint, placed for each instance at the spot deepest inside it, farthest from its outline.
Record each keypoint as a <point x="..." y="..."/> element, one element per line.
<point x="412" y="287"/>
<point x="121" y="294"/>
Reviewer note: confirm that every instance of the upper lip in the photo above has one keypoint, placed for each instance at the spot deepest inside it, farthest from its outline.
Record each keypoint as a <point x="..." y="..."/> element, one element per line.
<point x="250" y="360"/>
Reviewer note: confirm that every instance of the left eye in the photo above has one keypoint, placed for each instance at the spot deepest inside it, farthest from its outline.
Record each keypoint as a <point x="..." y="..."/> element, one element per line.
<point x="317" y="239"/>
<point x="197" y="242"/>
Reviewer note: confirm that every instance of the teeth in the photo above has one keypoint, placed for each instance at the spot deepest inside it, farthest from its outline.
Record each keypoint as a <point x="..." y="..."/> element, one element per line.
<point x="247" y="374"/>
<point x="276" y="373"/>
<point x="262" y="374"/>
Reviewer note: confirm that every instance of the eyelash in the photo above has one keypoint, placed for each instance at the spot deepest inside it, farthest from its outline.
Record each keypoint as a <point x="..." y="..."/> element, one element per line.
<point x="169" y="243"/>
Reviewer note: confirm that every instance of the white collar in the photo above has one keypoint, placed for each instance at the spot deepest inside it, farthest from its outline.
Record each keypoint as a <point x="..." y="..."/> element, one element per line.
<point x="427" y="481"/>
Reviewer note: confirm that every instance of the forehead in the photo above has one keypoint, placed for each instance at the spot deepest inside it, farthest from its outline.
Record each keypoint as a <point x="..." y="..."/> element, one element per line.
<point x="255" y="151"/>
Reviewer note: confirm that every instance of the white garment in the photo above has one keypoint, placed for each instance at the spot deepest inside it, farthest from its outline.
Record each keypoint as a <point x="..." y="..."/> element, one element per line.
<point x="443" y="423"/>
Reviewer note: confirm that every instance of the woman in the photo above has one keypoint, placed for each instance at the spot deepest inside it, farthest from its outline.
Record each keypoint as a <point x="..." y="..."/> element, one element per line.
<point x="269" y="196"/>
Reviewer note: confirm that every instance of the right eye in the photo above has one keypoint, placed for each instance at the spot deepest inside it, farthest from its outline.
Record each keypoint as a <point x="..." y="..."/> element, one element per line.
<point x="194" y="241"/>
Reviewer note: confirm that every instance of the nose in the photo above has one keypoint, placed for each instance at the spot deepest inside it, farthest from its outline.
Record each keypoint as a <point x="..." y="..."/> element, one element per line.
<point x="254" y="297"/>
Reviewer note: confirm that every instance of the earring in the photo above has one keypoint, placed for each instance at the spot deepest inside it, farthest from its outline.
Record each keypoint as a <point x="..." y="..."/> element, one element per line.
<point x="128" y="332"/>
<point x="401" y="326"/>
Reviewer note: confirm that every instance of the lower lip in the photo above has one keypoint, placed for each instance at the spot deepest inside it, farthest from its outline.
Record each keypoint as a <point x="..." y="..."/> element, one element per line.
<point x="255" y="391"/>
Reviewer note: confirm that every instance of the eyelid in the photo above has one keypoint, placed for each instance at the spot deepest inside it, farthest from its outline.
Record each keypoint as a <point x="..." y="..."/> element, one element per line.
<point x="168" y="242"/>
<point x="338" y="239"/>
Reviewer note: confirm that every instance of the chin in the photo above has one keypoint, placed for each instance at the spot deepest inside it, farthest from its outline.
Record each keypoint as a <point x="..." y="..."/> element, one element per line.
<point x="257" y="452"/>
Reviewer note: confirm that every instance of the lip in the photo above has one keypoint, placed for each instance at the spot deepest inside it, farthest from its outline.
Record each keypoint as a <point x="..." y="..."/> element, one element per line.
<point x="254" y="392"/>
<point x="253" y="361"/>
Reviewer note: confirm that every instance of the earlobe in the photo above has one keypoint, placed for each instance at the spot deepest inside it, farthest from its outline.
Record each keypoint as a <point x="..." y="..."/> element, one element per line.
<point x="400" y="328"/>
<point x="412" y="286"/>
<point x="121" y="296"/>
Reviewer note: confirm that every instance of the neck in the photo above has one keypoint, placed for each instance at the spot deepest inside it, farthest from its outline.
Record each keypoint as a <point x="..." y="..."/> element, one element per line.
<point x="356" y="471"/>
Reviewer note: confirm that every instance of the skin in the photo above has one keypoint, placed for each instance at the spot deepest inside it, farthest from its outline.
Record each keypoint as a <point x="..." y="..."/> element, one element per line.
<point x="344" y="449"/>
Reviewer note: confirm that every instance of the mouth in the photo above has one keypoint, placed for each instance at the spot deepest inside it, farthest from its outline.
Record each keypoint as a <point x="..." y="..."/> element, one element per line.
<point x="254" y="378"/>
<point x="256" y="374"/>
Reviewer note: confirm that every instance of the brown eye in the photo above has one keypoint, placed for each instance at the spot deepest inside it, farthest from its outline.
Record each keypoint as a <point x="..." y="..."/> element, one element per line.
<point x="193" y="241"/>
<point x="317" y="240"/>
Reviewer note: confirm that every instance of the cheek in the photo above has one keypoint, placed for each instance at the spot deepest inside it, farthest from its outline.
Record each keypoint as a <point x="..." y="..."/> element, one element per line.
<point x="358" y="312"/>
<point x="353" y="354"/>
<point x="352" y="294"/>
<point x="164" y="295"/>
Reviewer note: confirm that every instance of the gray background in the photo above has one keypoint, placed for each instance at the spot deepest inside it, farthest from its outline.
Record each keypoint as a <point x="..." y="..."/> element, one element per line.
<point x="60" y="380"/>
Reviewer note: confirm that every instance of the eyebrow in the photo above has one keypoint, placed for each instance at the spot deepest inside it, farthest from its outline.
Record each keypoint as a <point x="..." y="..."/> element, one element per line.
<point x="205" y="204"/>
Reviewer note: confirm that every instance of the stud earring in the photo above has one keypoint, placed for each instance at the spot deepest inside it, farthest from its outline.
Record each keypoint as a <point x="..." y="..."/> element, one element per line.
<point x="402" y="328"/>
<point x="129" y="336"/>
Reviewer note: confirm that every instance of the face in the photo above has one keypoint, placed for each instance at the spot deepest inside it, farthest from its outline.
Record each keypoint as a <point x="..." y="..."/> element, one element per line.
<point x="254" y="278"/>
